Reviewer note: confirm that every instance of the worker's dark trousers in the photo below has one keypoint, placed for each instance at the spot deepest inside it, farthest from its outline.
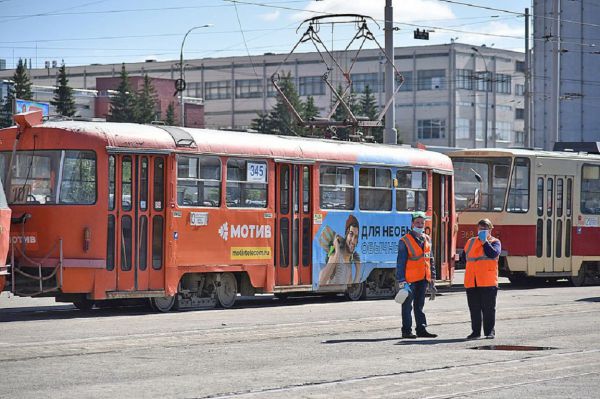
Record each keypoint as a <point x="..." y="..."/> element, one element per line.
<point x="416" y="297"/>
<point x="482" y="302"/>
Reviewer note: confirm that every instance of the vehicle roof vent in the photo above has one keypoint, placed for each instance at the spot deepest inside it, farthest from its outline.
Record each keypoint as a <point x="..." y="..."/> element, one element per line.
<point x="180" y="136"/>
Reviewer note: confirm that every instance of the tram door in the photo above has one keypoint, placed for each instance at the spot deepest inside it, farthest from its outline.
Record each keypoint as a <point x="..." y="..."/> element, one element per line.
<point x="293" y="247"/>
<point x="136" y="220"/>
<point x="441" y="234"/>
<point x="554" y="222"/>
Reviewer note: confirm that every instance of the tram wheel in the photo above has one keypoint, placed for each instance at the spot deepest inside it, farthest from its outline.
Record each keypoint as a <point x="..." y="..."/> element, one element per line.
<point x="356" y="292"/>
<point x="227" y="290"/>
<point x="579" y="280"/>
<point x="163" y="304"/>
<point x="83" y="304"/>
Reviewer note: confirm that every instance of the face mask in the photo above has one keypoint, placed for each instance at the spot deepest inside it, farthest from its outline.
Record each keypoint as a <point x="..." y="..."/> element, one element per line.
<point x="418" y="230"/>
<point x="483" y="234"/>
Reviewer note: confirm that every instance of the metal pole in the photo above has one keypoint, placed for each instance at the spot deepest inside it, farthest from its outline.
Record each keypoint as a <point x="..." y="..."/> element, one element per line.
<point x="389" y="136"/>
<point x="527" y="110"/>
<point x="181" y="71"/>
<point x="485" y="87"/>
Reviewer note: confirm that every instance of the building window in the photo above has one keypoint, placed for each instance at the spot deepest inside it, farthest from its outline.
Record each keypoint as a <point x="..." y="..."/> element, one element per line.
<point x="463" y="128"/>
<point x="375" y="189"/>
<point x="311" y="86"/>
<point x="520" y="66"/>
<point x="198" y="181"/>
<point x="336" y="187"/>
<point x="519" y="138"/>
<point x="219" y="90"/>
<point x="464" y="79"/>
<point x="411" y="191"/>
<point x="246" y="183"/>
<point x="520" y="113"/>
<point x="590" y="189"/>
<point x="193" y="89"/>
<point x="432" y="79"/>
<point x="249" y="88"/>
<point x="503" y="83"/>
<point x="362" y="80"/>
<point x="484" y="81"/>
<point x="408" y="81"/>
<point x="431" y="128"/>
<point x="503" y="130"/>
<point x="519" y="90"/>
<point x="479" y="127"/>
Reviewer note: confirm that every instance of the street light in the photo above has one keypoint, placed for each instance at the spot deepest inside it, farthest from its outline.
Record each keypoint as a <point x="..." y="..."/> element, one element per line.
<point x="181" y="84"/>
<point x="485" y="129"/>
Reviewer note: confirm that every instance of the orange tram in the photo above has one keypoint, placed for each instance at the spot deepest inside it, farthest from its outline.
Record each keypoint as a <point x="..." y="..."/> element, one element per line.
<point x="193" y="218"/>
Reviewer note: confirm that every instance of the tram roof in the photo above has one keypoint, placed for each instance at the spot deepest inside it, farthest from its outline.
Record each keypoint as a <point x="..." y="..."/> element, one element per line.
<point x="149" y="137"/>
<point x="519" y="152"/>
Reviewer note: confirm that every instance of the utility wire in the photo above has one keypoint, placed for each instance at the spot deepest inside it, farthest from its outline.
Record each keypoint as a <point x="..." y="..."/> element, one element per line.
<point x="237" y="15"/>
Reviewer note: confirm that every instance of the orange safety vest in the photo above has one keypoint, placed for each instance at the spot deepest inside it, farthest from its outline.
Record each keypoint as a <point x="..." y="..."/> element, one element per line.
<point x="480" y="271"/>
<point x="418" y="264"/>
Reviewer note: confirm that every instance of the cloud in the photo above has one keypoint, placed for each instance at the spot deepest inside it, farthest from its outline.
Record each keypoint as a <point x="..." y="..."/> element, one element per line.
<point x="271" y="16"/>
<point x="486" y="33"/>
<point x="409" y="11"/>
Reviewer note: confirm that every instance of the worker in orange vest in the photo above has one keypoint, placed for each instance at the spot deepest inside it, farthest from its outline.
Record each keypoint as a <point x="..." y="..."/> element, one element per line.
<point x="481" y="279"/>
<point x="415" y="267"/>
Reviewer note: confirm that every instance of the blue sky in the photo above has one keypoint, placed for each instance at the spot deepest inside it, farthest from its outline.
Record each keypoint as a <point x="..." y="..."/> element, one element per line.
<point x="111" y="31"/>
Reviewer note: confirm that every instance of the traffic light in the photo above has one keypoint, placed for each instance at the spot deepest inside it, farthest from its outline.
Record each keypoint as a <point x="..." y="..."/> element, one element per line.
<point x="421" y="34"/>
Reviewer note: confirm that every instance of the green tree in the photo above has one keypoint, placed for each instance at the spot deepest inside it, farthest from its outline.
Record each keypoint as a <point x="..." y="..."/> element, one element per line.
<point x="6" y="110"/>
<point x="170" y="115"/>
<point x="122" y="105"/>
<point x="63" y="94"/>
<point x="368" y="108"/>
<point x="281" y="119"/>
<point x="261" y="123"/>
<point x="310" y="110"/>
<point x="22" y="83"/>
<point x="145" y="102"/>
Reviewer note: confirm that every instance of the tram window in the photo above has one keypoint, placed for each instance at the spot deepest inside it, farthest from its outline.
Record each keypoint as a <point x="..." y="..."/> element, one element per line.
<point x="336" y="187"/>
<point x="540" y="196"/>
<point x="143" y="243"/>
<point x="159" y="184"/>
<point x="590" y="190"/>
<point x="518" y="194"/>
<point x="305" y="189"/>
<point x="78" y="184"/>
<point x="126" y="184"/>
<point x="246" y="183"/>
<point x="568" y="238"/>
<point x="110" y="244"/>
<point x="157" y="242"/>
<point x="126" y="241"/>
<point x="284" y="189"/>
<point x="198" y="181"/>
<point x="411" y="191"/>
<point x="550" y="191"/>
<point x="284" y="232"/>
<point x="493" y="172"/>
<point x="539" y="238"/>
<point x="37" y="177"/>
<point x="558" y="233"/>
<point x="306" y="241"/>
<point x="549" y="238"/>
<point x="559" y="197"/>
<point x="569" y="197"/>
<point x="375" y="189"/>
<point x="111" y="182"/>
<point x="144" y="184"/>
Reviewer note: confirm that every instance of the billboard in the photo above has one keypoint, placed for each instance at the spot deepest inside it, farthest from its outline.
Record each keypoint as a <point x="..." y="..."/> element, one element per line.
<point x="27" y="105"/>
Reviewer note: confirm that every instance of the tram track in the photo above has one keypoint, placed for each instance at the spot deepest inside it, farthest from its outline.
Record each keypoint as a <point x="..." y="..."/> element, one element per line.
<point x="229" y="335"/>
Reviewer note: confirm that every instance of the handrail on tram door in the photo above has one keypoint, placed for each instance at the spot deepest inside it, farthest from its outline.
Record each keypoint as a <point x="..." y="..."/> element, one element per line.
<point x="39" y="264"/>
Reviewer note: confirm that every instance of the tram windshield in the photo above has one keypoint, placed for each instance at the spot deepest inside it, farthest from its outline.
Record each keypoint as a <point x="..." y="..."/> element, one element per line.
<point x="481" y="183"/>
<point x="50" y="177"/>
